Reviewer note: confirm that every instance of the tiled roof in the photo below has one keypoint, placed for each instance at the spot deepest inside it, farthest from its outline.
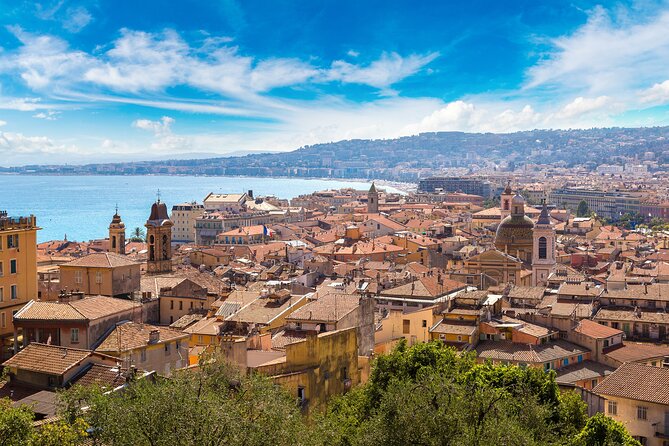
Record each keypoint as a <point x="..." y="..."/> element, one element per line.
<point x="102" y="260"/>
<point x="328" y="308"/>
<point x="652" y="317"/>
<point x="100" y="374"/>
<point x="583" y="370"/>
<point x="637" y="382"/>
<point x="130" y="336"/>
<point x="102" y="306"/>
<point x="34" y="310"/>
<point x="508" y="351"/>
<point x="638" y="351"/>
<point x="595" y="330"/>
<point x="49" y="359"/>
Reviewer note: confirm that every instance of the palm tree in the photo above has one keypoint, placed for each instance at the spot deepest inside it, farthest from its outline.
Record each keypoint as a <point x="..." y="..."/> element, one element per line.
<point x="137" y="235"/>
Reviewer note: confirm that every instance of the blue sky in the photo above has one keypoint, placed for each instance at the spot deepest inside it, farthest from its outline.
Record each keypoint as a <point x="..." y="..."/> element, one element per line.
<point x="90" y="81"/>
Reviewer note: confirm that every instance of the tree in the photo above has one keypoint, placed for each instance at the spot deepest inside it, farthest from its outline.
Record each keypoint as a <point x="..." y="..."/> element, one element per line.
<point x="16" y="427"/>
<point x="138" y="235"/>
<point x="601" y="430"/>
<point x="212" y="406"/>
<point x="61" y="433"/>
<point x="583" y="209"/>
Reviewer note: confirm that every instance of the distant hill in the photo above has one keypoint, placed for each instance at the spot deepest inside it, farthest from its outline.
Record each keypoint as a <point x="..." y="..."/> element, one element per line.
<point x="407" y="158"/>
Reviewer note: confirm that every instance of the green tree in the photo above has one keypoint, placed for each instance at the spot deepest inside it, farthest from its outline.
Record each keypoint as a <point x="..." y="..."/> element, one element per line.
<point x="60" y="433"/>
<point x="138" y="235"/>
<point x="601" y="430"/>
<point x="16" y="427"/>
<point x="213" y="406"/>
<point x="583" y="210"/>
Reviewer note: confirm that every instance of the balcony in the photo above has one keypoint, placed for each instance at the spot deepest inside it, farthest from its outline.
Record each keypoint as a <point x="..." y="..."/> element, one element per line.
<point x="661" y="430"/>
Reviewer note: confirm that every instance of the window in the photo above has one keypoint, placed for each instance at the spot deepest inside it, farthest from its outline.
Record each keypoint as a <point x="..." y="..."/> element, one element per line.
<point x="424" y="323"/>
<point x="77" y="277"/>
<point x="606" y="343"/>
<point x="3" y="320"/>
<point x="1" y="270"/>
<point x="74" y="336"/>
<point x="167" y="349"/>
<point x="98" y="277"/>
<point x="565" y="361"/>
<point x="142" y="355"/>
<point x="580" y="358"/>
<point x="200" y="339"/>
<point x="2" y="294"/>
<point x="406" y="326"/>
<point x="613" y="408"/>
<point x="171" y="305"/>
<point x="12" y="241"/>
<point x="181" y="305"/>
<point x="543" y="247"/>
<point x="593" y="383"/>
<point x="641" y="412"/>
<point x="547" y="366"/>
<point x="13" y="292"/>
<point x="301" y="394"/>
<point x="12" y="266"/>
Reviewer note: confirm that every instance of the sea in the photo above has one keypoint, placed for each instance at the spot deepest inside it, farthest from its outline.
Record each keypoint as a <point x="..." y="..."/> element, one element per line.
<point x="81" y="207"/>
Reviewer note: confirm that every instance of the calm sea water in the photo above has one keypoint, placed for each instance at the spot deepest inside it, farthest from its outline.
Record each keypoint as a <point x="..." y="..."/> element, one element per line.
<point x="82" y="206"/>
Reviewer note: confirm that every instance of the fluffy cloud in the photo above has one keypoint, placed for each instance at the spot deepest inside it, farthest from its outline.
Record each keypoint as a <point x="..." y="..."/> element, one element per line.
<point x="151" y="62"/>
<point x="3" y="123"/>
<point x="77" y="19"/>
<point x="657" y="94"/>
<point x="382" y="73"/>
<point x="160" y="127"/>
<point x="608" y="54"/>
<point x="581" y="106"/>
<point x="49" y="115"/>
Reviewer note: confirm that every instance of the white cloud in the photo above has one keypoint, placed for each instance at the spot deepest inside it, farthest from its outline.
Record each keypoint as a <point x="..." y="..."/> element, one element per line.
<point x="49" y="115"/>
<point x="608" y="54"/>
<point x="77" y="19"/>
<point x="382" y="73"/>
<point x="581" y="105"/>
<point x="353" y="53"/>
<point x="657" y="94"/>
<point x="3" y="123"/>
<point x="44" y="61"/>
<point x="160" y="127"/>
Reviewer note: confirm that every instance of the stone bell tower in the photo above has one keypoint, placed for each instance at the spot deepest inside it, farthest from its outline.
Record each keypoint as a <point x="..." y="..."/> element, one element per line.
<point x="372" y="200"/>
<point x="117" y="235"/>
<point x="543" y="253"/>
<point x="159" y="239"/>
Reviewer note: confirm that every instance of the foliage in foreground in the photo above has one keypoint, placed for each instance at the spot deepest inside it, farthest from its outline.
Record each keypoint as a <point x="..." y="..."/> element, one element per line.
<point x="427" y="394"/>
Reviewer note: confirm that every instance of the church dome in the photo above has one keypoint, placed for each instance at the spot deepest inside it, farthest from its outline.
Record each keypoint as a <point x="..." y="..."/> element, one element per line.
<point x="514" y="232"/>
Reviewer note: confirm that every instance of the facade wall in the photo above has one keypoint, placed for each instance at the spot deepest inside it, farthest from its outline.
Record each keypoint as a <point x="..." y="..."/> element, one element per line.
<point x="626" y="413"/>
<point x="24" y="280"/>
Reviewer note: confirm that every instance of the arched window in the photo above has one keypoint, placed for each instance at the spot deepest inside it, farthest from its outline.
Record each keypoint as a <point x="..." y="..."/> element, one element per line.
<point x="113" y="242"/>
<point x="543" y="247"/>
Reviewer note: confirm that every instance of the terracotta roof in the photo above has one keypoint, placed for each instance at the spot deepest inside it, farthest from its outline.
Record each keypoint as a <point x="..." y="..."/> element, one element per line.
<point x="130" y="336"/>
<point x="100" y="374"/>
<point x="583" y="370"/>
<point x="637" y="382"/>
<point x="508" y="351"/>
<point x="101" y="260"/>
<point x="594" y="330"/>
<point x="89" y="308"/>
<point x="638" y="351"/>
<point x="49" y="359"/>
<point x="328" y="308"/>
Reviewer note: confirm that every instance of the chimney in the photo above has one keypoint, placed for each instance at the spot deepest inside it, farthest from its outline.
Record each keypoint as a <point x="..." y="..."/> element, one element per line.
<point x="154" y="336"/>
<point x="250" y="193"/>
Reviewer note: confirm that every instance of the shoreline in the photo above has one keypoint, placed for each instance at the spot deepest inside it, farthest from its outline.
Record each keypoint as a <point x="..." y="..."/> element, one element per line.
<point x="401" y="186"/>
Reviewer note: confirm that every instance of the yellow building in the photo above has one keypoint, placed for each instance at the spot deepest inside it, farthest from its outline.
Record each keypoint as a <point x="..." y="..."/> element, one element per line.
<point x="101" y="273"/>
<point x="18" y="272"/>
<point x="414" y="327"/>
<point x="317" y="368"/>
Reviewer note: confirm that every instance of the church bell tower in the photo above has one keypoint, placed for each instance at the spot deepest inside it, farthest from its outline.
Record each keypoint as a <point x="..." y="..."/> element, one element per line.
<point x="117" y="235"/>
<point x="372" y="200"/>
<point x="159" y="239"/>
<point x="543" y="254"/>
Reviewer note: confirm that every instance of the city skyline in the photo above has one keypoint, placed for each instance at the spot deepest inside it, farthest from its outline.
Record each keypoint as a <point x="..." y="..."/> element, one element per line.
<point x="95" y="81"/>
